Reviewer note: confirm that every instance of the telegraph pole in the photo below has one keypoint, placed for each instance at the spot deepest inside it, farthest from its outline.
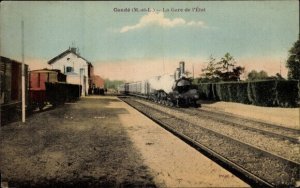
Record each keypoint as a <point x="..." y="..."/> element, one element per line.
<point x="280" y="67"/>
<point x="193" y="72"/>
<point x="23" y="76"/>
<point x="164" y="64"/>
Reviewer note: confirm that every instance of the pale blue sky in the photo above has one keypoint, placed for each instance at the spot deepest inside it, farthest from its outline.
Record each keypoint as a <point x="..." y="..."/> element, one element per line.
<point x="245" y="29"/>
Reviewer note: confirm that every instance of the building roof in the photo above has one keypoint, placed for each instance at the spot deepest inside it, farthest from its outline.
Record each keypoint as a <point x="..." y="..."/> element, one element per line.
<point x="97" y="76"/>
<point x="6" y="59"/>
<point x="46" y="70"/>
<point x="70" y="50"/>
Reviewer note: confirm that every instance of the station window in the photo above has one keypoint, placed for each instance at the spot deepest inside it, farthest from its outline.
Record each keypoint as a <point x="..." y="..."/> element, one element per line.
<point x="69" y="69"/>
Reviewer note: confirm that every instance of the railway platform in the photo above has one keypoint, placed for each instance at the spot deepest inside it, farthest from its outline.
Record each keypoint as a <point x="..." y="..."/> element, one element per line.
<point x="102" y="141"/>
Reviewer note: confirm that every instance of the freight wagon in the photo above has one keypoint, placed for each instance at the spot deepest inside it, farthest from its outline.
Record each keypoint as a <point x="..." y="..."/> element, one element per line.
<point x="11" y="88"/>
<point x="41" y="87"/>
<point x="50" y="87"/>
<point x="37" y="87"/>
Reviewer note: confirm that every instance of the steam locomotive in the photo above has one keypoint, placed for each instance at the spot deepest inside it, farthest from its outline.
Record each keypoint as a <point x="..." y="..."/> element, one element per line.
<point x="170" y="90"/>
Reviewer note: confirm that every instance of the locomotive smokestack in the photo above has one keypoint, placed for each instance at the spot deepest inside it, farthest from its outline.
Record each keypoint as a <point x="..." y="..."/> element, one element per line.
<point x="177" y="74"/>
<point x="181" y="67"/>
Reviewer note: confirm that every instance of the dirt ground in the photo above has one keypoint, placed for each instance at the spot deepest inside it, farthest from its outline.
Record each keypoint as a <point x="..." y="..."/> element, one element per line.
<point x="76" y="145"/>
<point x="102" y="142"/>
<point x="287" y="117"/>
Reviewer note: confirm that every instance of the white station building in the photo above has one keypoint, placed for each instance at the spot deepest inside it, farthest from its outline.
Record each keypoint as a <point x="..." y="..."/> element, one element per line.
<point x="75" y="67"/>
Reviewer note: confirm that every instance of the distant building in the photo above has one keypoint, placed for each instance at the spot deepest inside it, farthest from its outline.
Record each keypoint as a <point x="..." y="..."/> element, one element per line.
<point x="98" y="82"/>
<point x="95" y="81"/>
<point x="77" y="69"/>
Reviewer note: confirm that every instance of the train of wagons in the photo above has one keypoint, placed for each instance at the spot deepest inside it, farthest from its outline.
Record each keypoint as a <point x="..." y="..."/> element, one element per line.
<point x="42" y="87"/>
<point x="171" y="90"/>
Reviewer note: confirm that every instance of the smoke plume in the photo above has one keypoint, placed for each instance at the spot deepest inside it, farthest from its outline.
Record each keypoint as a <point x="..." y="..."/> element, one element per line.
<point x="164" y="82"/>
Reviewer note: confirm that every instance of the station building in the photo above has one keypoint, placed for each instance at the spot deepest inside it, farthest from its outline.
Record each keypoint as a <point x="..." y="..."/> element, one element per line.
<point x="77" y="69"/>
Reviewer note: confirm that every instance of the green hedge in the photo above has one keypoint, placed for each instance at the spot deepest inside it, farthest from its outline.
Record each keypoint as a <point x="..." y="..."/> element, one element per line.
<point x="262" y="93"/>
<point x="288" y="93"/>
<point x="242" y="93"/>
<point x="205" y="91"/>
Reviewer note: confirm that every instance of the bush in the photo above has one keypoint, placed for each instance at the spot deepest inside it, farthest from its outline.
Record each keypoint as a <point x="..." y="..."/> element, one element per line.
<point x="214" y="92"/>
<point x="242" y="93"/>
<point x="262" y="93"/>
<point x="205" y="91"/>
<point x="298" y="91"/>
<point x="223" y="92"/>
<point x="228" y="91"/>
<point x="287" y="93"/>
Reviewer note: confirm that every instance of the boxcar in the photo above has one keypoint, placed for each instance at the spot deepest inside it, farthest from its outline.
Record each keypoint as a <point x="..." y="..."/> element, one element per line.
<point x="11" y="88"/>
<point x="37" y="87"/>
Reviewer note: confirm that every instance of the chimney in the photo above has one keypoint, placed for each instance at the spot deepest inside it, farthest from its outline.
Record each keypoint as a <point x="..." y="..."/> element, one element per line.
<point x="181" y="67"/>
<point x="74" y="50"/>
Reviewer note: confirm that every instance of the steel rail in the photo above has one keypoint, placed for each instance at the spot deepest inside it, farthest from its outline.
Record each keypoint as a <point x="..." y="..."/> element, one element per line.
<point x="223" y="120"/>
<point x="280" y="136"/>
<point x="229" y="137"/>
<point x="246" y="175"/>
<point x="232" y="165"/>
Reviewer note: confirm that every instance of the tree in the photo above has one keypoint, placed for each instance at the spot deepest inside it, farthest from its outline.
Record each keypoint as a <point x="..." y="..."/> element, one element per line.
<point x="276" y="77"/>
<point x="227" y="62"/>
<point x="237" y="71"/>
<point x="226" y="69"/>
<point x="254" y="75"/>
<point x="223" y="70"/>
<point x="113" y="84"/>
<point x="209" y="71"/>
<point x="279" y="77"/>
<point x="293" y="62"/>
<point x="262" y="75"/>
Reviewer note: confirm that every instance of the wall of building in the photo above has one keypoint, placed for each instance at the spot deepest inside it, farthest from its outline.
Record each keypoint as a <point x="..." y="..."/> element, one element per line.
<point x="76" y="63"/>
<point x="98" y="81"/>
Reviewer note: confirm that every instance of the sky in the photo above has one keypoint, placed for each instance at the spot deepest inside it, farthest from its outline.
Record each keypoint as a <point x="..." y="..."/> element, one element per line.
<point x="132" y="45"/>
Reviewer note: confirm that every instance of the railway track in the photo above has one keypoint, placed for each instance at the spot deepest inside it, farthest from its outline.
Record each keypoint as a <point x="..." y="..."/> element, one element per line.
<point x="251" y="133"/>
<point x="256" y="166"/>
<point x="285" y="133"/>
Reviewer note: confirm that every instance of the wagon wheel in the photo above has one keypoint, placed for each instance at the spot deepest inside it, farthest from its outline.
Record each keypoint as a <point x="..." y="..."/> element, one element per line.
<point x="30" y="108"/>
<point x="167" y="103"/>
<point x="53" y="103"/>
<point x="177" y="102"/>
<point x="41" y="106"/>
<point x="196" y="105"/>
